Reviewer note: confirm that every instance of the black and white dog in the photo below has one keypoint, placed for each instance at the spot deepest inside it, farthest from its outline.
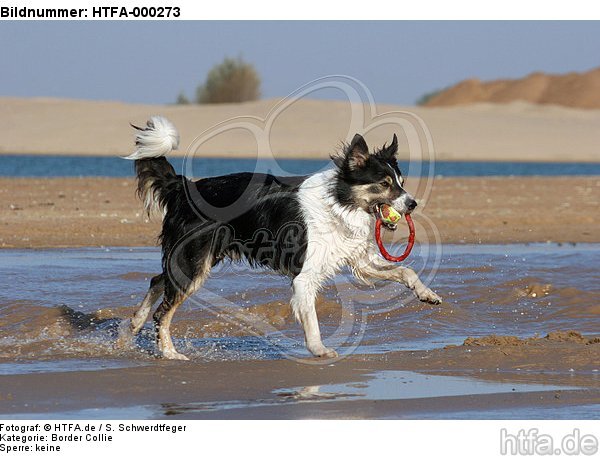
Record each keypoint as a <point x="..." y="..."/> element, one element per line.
<point x="314" y="226"/>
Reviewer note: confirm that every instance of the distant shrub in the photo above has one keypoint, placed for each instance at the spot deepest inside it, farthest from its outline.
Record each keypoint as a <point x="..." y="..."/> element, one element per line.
<point x="182" y="99"/>
<point x="423" y="99"/>
<point x="232" y="81"/>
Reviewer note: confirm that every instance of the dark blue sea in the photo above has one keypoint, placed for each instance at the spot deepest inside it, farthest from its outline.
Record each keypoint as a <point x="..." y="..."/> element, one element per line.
<point x="74" y="166"/>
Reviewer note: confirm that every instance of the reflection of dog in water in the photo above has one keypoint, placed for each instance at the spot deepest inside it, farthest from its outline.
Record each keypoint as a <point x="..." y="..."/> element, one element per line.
<point x="305" y="227"/>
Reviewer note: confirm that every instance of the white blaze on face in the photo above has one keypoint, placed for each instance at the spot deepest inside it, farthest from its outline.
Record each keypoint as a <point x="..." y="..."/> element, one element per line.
<point x="400" y="203"/>
<point x="399" y="180"/>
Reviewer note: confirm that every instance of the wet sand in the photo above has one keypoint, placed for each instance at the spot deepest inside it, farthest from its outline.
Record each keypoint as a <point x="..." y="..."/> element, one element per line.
<point x="73" y="212"/>
<point x="286" y="389"/>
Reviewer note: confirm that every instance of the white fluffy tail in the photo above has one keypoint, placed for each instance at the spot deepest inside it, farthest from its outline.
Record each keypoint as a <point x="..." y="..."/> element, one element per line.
<point x="156" y="140"/>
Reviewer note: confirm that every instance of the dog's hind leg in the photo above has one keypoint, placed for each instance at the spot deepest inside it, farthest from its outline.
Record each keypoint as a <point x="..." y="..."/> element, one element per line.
<point x="157" y="288"/>
<point x="162" y="321"/>
<point x="304" y="296"/>
<point x="174" y="296"/>
<point x="129" y="329"/>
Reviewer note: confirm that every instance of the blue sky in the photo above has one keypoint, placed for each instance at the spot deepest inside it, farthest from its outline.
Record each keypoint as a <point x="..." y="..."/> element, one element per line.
<point x="151" y="62"/>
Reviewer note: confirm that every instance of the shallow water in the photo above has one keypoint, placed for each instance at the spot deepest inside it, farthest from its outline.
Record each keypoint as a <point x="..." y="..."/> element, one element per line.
<point x="69" y="166"/>
<point x="573" y="412"/>
<point x="390" y="385"/>
<point x="69" y="303"/>
<point x="66" y="365"/>
<point x="60" y="312"/>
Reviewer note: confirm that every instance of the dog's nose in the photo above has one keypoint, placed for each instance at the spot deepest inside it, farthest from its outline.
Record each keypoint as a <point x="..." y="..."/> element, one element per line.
<point x="411" y="204"/>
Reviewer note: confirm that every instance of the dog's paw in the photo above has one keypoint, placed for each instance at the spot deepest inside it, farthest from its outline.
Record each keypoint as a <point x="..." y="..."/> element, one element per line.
<point x="321" y="351"/>
<point x="328" y="354"/>
<point x="429" y="296"/>
<point x="174" y="355"/>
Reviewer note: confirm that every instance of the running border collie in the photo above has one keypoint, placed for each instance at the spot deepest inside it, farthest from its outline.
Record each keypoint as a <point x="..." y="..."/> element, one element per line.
<point x="313" y="227"/>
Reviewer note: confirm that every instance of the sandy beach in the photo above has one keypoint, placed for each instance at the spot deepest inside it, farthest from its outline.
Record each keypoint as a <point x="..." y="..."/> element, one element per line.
<point x="306" y="128"/>
<point x="75" y="212"/>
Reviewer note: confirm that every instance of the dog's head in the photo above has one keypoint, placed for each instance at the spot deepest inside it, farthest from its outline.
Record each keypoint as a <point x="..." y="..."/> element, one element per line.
<point x="368" y="180"/>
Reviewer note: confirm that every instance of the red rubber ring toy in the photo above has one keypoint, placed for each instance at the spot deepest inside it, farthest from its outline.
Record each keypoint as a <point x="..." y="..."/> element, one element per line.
<point x="409" y="246"/>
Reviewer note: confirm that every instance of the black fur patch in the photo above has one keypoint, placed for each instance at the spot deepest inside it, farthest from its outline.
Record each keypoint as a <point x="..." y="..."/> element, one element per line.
<point x="373" y="170"/>
<point x="255" y="217"/>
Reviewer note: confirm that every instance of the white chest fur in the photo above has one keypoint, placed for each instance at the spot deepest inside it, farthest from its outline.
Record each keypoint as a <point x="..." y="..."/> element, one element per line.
<point x="337" y="236"/>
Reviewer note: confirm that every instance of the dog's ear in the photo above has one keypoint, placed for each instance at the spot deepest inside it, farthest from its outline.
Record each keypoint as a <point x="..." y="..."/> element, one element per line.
<point x="357" y="153"/>
<point x="389" y="152"/>
<point x="393" y="148"/>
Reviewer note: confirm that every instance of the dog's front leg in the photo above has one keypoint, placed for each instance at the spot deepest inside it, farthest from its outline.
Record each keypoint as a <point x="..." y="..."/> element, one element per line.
<point x="374" y="267"/>
<point x="304" y="296"/>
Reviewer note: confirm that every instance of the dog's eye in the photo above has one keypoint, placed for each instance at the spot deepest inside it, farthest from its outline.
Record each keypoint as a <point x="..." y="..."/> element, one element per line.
<point x="385" y="184"/>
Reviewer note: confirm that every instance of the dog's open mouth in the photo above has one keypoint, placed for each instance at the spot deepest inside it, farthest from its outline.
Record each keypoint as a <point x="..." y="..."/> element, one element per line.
<point x="388" y="215"/>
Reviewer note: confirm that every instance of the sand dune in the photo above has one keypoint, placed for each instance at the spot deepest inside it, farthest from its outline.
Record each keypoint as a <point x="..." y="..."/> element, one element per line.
<point x="576" y="90"/>
<point x="308" y="128"/>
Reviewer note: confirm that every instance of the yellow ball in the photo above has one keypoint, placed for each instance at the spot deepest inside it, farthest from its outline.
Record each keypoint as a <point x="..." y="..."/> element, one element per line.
<point x="389" y="214"/>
